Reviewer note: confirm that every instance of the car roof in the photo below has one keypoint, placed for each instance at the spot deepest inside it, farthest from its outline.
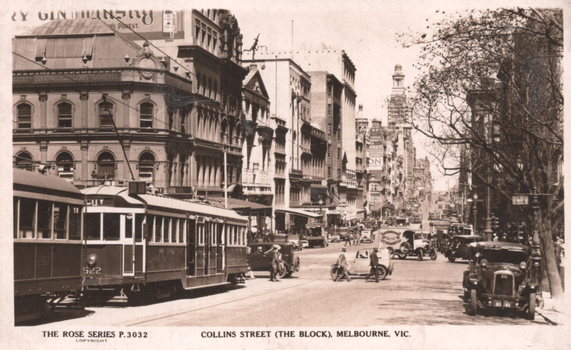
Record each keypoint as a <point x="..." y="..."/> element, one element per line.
<point x="503" y="245"/>
<point x="269" y="243"/>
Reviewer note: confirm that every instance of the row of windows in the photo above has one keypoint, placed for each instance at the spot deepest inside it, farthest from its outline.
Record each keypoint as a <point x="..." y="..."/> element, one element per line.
<point x="105" y="166"/>
<point x="40" y="219"/>
<point x="160" y="229"/>
<point x="64" y="115"/>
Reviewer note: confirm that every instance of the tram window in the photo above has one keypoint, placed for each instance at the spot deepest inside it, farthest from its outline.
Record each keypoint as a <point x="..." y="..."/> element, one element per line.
<point x="27" y="214"/>
<point x="60" y="220"/>
<point x="139" y="227"/>
<point x="111" y="227"/>
<point x="168" y="229"/>
<point x="15" y="213"/>
<point x="44" y="219"/>
<point x="181" y="230"/>
<point x="129" y="226"/>
<point x="93" y="226"/>
<point x="158" y="228"/>
<point x="75" y="222"/>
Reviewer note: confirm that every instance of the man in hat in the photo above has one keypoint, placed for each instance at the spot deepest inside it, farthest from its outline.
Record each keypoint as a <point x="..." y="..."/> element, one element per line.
<point x="274" y="255"/>
<point x="374" y="265"/>
<point x="342" y="270"/>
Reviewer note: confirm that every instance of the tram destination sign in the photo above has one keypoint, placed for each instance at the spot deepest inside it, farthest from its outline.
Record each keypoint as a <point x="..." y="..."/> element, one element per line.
<point x="67" y="78"/>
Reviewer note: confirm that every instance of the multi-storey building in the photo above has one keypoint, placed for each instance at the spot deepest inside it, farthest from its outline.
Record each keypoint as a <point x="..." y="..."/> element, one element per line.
<point x="290" y="88"/>
<point x="161" y="104"/>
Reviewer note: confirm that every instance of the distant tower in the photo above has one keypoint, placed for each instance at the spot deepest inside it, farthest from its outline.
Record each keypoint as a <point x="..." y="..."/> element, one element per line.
<point x="398" y="107"/>
<point x="362" y="123"/>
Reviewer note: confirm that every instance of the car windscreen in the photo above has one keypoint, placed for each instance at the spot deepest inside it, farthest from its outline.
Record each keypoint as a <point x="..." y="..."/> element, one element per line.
<point x="504" y="256"/>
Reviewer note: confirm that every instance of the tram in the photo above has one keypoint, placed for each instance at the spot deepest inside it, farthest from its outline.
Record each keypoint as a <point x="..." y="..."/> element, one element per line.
<point x="142" y="247"/>
<point x="47" y="242"/>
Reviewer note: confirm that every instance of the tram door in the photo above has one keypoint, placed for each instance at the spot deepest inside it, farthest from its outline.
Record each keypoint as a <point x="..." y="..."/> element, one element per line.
<point x="191" y="247"/>
<point x="207" y="242"/>
<point x="129" y="246"/>
<point x="220" y="249"/>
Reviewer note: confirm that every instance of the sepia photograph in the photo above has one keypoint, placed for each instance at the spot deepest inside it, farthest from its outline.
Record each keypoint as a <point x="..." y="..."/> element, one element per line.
<point x="284" y="175"/>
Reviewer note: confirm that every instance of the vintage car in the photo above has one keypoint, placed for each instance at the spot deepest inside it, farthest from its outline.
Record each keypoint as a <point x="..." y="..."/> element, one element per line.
<point x="407" y="242"/>
<point x="500" y="276"/>
<point x="296" y="243"/>
<point x="260" y="262"/>
<point x="458" y="248"/>
<point x="315" y="235"/>
<point x="359" y="264"/>
<point x="416" y="243"/>
<point x="366" y="236"/>
<point x="334" y="238"/>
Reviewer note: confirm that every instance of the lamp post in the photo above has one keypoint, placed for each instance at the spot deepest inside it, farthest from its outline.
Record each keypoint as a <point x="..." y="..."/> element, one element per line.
<point x="475" y="210"/>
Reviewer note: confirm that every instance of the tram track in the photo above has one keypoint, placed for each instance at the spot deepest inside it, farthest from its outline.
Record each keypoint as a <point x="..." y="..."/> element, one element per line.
<point x="164" y="317"/>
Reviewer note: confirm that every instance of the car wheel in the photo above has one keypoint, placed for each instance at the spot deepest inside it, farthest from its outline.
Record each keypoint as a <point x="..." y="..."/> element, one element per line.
<point x="451" y="258"/>
<point x="284" y="272"/>
<point x="382" y="272"/>
<point x="531" y="308"/>
<point x="420" y="255"/>
<point x="473" y="302"/>
<point x="401" y="255"/>
<point x="333" y="272"/>
<point x="405" y="247"/>
<point x="433" y="254"/>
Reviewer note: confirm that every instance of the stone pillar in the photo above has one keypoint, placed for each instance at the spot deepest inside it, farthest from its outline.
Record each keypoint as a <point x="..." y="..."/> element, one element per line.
<point x="84" y="97"/>
<point x="126" y="96"/>
<point x="84" y="167"/>
<point x="43" y="97"/>
<point x="44" y="152"/>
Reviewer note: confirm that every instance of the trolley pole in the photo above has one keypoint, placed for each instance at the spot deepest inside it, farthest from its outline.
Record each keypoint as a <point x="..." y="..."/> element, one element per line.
<point x="225" y="182"/>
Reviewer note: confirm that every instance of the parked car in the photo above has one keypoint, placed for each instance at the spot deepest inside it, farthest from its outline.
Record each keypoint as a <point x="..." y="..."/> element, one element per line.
<point x="359" y="264"/>
<point x="315" y="235"/>
<point x="500" y="276"/>
<point x="260" y="262"/>
<point x="296" y="245"/>
<point x="458" y="248"/>
<point x="304" y="243"/>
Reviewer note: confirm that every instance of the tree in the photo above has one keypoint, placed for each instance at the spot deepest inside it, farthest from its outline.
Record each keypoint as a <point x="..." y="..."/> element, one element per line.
<point x="491" y="82"/>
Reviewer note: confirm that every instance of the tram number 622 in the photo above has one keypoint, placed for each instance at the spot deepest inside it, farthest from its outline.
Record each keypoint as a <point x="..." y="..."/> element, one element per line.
<point x="92" y="270"/>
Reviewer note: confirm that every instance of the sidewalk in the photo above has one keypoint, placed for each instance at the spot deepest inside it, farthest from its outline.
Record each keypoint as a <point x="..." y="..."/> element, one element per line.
<point x="555" y="311"/>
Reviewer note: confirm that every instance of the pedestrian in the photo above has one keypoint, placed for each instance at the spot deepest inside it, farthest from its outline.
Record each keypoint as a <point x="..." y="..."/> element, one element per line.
<point x="374" y="265"/>
<point x="250" y="272"/>
<point x="342" y="267"/>
<point x="348" y="238"/>
<point x="274" y="255"/>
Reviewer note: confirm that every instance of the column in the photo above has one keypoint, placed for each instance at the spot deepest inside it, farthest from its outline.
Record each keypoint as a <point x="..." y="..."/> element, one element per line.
<point x="84" y="97"/>
<point x="44" y="152"/>
<point x="126" y="96"/>
<point x="84" y="167"/>
<point x="43" y="97"/>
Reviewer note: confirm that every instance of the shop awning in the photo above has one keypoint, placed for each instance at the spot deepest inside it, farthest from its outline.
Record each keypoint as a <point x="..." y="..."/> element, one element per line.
<point x="245" y="207"/>
<point x="298" y="212"/>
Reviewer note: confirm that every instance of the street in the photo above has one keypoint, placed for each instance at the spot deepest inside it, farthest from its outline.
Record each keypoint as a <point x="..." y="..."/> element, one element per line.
<point x="417" y="293"/>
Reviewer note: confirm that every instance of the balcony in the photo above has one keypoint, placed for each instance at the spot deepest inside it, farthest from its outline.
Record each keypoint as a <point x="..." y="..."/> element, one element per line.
<point x="296" y="173"/>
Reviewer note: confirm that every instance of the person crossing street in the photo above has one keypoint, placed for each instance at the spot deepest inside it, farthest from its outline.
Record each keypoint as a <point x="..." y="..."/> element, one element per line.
<point x="274" y="255"/>
<point x="374" y="265"/>
<point x="342" y="263"/>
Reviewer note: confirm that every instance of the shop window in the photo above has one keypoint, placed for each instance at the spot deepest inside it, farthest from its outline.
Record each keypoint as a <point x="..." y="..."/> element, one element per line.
<point x="24" y="116"/>
<point x="64" y="115"/>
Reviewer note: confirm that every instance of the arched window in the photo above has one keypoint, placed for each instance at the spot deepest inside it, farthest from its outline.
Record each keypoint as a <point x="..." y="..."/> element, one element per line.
<point x="24" y="116"/>
<point x="106" y="165"/>
<point x="64" y="163"/>
<point x="146" y="167"/>
<point x="146" y="115"/>
<point x="24" y="161"/>
<point x="64" y="115"/>
<point x="105" y="115"/>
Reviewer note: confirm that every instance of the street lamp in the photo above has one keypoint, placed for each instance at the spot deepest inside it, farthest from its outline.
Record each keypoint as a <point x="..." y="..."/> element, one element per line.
<point x="475" y="210"/>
